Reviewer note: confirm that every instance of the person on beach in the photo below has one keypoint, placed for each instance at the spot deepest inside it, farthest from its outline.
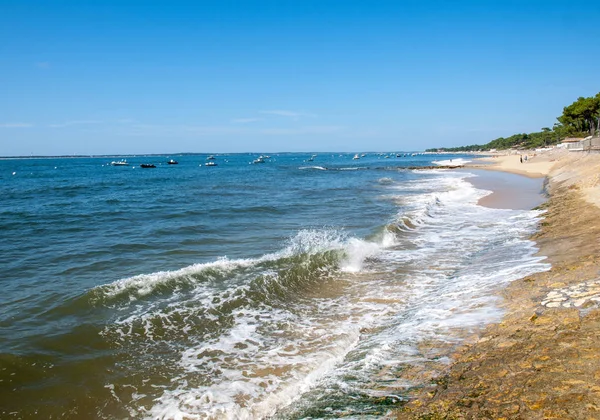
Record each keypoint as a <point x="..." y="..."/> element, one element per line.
<point x="521" y="158"/>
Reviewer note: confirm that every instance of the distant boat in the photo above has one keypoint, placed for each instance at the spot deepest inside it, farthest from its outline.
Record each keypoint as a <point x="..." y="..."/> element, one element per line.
<point x="210" y="164"/>
<point x="121" y="162"/>
<point x="356" y="157"/>
<point x="211" y="157"/>
<point x="310" y="159"/>
<point x="173" y="162"/>
<point x="147" y="165"/>
<point x="259" y="160"/>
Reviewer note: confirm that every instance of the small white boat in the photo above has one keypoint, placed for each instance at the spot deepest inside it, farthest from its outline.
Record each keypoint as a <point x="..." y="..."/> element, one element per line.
<point x="210" y="164"/>
<point x="259" y="160"/>
<point x="211" y="157"/>
<point x="356" y="157"/>
<point x="121" y="162"/>
<point x="172" y="162"/>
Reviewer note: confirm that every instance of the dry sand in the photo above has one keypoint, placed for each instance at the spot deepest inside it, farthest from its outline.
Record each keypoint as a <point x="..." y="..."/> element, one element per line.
<point x="533" y="165"/>
<point x="542" y="361"/>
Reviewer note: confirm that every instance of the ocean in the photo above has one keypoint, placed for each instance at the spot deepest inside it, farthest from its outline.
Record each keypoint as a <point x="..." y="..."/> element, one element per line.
<point x="302" y="287"/>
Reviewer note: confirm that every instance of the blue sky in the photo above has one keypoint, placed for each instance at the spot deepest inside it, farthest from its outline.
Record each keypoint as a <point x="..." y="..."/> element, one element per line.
<point x="103" y="77"/>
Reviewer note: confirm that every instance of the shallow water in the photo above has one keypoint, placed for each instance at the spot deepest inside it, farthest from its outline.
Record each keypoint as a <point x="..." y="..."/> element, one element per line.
<point x="288" y="289"/>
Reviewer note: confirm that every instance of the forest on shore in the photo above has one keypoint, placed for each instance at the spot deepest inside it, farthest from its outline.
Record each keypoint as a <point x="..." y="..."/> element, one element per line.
<point x="580" y="119"/>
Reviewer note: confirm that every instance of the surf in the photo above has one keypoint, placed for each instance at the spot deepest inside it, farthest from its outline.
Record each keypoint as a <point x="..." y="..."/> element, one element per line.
<point x="235" y="295"/>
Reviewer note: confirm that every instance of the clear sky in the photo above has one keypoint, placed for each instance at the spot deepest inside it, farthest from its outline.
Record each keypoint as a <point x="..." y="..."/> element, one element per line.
<point x="103" y="77"/>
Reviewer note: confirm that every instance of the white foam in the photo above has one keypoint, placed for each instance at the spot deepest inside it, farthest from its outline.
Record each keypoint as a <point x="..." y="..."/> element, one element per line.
<point x="385" y="181"/>
<point x="144" y="284"/>
<point x="451" y="162"/>
<point x="262" y="392"/>
<point x="314" y="241"/>
<point x="319" y="168"/>
<point x="357" y="251"/>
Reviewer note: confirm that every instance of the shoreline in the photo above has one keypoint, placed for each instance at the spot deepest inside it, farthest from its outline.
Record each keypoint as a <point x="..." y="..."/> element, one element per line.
<point x="540" y="361"/>
<point x="508" y="190"/>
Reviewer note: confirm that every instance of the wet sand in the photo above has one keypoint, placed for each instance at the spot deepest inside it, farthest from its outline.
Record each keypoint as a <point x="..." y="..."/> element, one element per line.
<point x="509" y="191"/>
<point x="541" y="361"/>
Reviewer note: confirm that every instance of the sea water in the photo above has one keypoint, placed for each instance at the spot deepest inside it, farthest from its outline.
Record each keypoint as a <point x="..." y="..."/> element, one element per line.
<point x="302" y="287"/>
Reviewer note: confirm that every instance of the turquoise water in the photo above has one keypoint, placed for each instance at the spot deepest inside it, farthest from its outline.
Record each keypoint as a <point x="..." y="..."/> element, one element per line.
<point x="287" y="289"/>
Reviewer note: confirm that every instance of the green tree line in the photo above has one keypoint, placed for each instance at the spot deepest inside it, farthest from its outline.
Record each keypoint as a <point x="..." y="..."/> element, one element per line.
<point x="580" y="119"/>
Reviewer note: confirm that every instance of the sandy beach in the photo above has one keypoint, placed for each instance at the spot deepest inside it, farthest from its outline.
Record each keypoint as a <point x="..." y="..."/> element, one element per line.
<point x="530" y="164"/>
<point x="541" y="361"/>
